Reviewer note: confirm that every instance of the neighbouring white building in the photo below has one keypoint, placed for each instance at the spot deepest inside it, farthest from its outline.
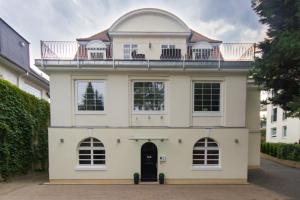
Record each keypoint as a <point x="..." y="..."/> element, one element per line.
<point x="14" y="63"/>
<point x="150" y="95"/>
<point x="281" y="128"/>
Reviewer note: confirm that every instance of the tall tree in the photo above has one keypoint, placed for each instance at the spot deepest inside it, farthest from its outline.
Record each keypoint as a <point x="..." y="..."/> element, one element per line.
<point x="278" y="68"/>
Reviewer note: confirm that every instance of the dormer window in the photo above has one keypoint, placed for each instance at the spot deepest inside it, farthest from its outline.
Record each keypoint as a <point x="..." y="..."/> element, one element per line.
<point x="96" y="50"/>
<point x="202" y="51"/>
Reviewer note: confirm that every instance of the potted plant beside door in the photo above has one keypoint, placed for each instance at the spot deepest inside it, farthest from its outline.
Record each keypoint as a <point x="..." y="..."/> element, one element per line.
<point x="136" y="178"/>
<point x="161" y="177"/>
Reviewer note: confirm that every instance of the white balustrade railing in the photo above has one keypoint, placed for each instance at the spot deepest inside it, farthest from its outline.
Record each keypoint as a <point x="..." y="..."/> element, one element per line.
<point x="72" y="50"/>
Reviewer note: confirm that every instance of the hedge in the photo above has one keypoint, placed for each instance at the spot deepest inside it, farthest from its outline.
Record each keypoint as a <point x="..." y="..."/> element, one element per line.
<point x="24" y="120"/>
<point x="282" y="151"/>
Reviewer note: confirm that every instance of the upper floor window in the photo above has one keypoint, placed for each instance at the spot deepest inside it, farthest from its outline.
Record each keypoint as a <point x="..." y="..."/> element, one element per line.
<point x="169" y="51"/>
<point x="274" y="115"/>
<point x="168" y="46"/>
<point x="284" y="131"/>
<point x="206" y="153"/>
<point x="148" y="96"/>
<point x="90" y="95"/>
<point x="202" y="51"/>
<point x="206" y="96"/>
<point x="284" y="116"/>
<point x="32" y="90"/>
<point x="96" y="50"/>
<point x="273" y="132"/>
<point x="128" y="49"/>
<point x="91" y="152"/>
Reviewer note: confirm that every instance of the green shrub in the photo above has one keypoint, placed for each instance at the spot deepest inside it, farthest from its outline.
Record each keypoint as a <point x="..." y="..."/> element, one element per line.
<point x="24" y="121"/>
<point x="282" y="151"/>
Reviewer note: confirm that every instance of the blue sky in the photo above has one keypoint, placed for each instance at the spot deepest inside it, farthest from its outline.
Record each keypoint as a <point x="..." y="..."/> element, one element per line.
<point x="226" y="20"/>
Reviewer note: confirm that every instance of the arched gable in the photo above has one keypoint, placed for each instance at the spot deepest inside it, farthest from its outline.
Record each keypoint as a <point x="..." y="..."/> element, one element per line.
<point x="157" y="22"/>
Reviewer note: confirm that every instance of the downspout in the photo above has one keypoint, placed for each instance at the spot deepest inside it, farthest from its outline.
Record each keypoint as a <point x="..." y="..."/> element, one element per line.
<point x="19" y="78"/>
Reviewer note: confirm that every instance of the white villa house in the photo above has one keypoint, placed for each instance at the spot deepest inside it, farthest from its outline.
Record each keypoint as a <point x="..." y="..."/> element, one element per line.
<point x="150" y="95"/>
<point x="281" y="128"/>
<point x="15" y="64"/>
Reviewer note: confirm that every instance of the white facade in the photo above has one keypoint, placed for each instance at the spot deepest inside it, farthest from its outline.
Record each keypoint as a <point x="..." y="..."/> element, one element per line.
<point x="109" y="121"/>
<point x="280" y="128"/>
<point x="25" y="81"/>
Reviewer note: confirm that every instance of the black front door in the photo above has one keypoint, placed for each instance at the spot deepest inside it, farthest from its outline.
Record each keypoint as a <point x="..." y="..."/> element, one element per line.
<point x="149" y="162"/>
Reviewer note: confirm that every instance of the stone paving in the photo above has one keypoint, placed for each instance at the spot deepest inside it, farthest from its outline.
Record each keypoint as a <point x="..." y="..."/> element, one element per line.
<point x="273" y="181"/>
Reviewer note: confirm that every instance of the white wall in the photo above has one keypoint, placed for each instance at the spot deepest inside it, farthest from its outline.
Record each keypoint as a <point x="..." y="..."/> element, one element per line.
<point x="143" y="45"/>
<point x="253" y="125"/>
<point x="118" y="100"/>
<point x="123" y="159"/>
<point x="293" y="127"/>
<point x="22" y="80"/>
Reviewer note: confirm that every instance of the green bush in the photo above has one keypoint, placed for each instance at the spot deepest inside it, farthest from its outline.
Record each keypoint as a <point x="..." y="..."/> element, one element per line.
<point x="282" y="151"/>
<point x="24" y="121"/>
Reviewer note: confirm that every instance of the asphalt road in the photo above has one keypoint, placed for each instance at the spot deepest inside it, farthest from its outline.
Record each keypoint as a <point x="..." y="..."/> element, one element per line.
<point x="278" y="178"/>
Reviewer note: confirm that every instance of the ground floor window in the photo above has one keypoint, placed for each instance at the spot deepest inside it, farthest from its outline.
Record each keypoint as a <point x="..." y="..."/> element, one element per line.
<point x="91" y="152"/>
<point x="206" y="153"/>
<point x="284" y="131"/>
<point x="273" y="132"/>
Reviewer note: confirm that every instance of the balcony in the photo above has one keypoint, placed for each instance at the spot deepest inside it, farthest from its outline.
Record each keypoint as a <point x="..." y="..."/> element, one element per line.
<point x="72" y="53"/>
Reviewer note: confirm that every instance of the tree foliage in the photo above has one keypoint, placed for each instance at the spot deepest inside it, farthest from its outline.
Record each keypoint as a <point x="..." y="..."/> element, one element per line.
<point x="24" y="120"/>
<point x="278" y="68"/>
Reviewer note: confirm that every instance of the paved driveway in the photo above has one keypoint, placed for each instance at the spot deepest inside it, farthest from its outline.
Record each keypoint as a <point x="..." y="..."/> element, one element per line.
<point x="263" y="185"/>
<point x="276" y="177"/>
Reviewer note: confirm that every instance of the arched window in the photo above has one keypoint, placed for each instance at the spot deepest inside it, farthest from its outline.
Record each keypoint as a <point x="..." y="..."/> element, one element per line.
<point x="91" y="152"/>
<point x="206" y="153"/>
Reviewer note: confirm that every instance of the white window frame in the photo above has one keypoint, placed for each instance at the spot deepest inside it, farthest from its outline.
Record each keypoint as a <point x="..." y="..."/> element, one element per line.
<point x="168" y="46"/>
<point x="207" y="113"/>
<point x="284" y="131"/>
<point x="131" y="49"/>
<point x="37" y="92"/>
<point x="272" y="114"/>
<point x="272" y="132"/>
<point x="92" y="166"/>
<point x="89" y="112"/>
<point x="284" y="117"/>
<point x="103" y="51"/>
<point x="152" y="112"/>
<point x="205" y="166"/>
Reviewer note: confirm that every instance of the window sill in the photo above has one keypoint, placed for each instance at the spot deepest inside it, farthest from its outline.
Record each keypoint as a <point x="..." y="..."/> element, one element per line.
<point x="206" y="168"/>
<point x="91" y="168"/>
<point x="207" y="114"/>
<point x="90" y="113"/>
<point x="148" y="113"/>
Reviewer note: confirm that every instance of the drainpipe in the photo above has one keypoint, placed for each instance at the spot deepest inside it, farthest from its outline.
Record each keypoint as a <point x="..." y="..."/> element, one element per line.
<point x="19" y="77"/>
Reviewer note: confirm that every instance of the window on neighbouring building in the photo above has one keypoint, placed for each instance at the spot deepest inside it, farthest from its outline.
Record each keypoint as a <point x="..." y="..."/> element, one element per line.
<point x="206" y="153"/>
<point x="274" y="115"/>
<point x="128" y="49"/>
<point x="90" y="95"/>
<point x="149" y="96"/>
<point x="284" y="131"/>
<point x="32" y="90"/>
<point x="206" y="96"/>
<point x="91" y="152"/>
<point x="284" y="115"/>
<point x="273" y="132"/>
